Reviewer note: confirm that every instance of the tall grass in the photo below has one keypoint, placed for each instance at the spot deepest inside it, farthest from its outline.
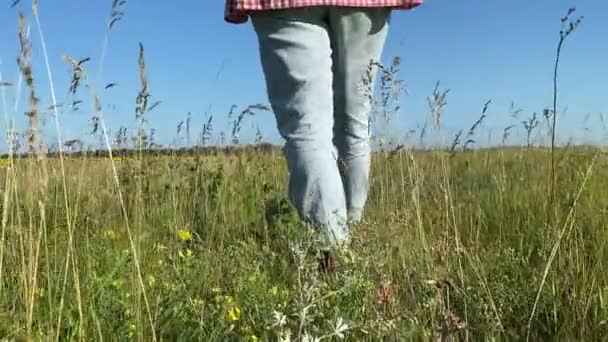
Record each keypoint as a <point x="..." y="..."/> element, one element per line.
<point x="202" y="243"/>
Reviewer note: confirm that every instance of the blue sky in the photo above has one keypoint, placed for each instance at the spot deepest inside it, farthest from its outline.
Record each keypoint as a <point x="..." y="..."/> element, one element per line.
<point x="482" y="50"/>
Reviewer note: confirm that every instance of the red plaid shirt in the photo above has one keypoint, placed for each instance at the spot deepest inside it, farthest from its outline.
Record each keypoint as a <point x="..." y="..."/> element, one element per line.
<point x="236" y="10"/>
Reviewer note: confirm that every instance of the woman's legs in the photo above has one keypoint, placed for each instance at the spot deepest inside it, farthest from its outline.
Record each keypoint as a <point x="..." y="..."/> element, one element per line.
<point x="358" y="39"/>
<point x="316" y="63"/>
<point x="296" y="59"/>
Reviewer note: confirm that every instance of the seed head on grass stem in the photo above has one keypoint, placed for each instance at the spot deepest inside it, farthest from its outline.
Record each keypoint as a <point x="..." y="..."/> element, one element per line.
<point x="506" y="133"/>
<point x="207" y="131"/>
<point x="97" y="108"/>
<point x="77" y="74"/>
<point x="455" y="143"/>
<point x="154" y="105"/>
<point x="258" y="136"/>
<point x="569" y="25"/>
<point x="117" y="13"/>
<point x="141" y="101"/>
<point x="33" y="138"/>
<point x="142" y="97"/>
<point x="437" y="102"/>
<point x="529" y="126"/>
<point x="238" y="122"/>
<point x="476" y="125"/>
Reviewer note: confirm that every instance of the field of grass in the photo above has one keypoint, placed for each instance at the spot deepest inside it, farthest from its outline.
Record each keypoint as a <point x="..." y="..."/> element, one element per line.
<point x="207" y="247"/>
<point x="203" y="245"/>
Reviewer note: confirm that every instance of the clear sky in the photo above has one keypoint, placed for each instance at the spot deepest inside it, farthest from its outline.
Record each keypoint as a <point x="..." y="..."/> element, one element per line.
<point x="481" y="49"/>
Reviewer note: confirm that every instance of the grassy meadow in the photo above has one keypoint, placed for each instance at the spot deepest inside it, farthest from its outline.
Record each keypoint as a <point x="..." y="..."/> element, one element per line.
<point x="207" y="247"/>
<point x="458" y="243"/>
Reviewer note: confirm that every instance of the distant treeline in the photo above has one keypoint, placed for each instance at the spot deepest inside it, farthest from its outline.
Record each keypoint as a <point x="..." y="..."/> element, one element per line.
<point x="191" y="151"/>
<point x="266" y="148"/>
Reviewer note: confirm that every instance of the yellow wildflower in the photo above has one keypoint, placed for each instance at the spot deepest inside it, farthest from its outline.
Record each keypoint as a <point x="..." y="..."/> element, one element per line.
<point x="274" y="290"/>
<point x="197" y="302"/>
<point x="110" y="234"/>
<point x="253" y="338"/>
<point x="151" y="280"/>
<point x="234" y="314"/>
<point x="118" y="283"/>
<point x="184" y="235"/>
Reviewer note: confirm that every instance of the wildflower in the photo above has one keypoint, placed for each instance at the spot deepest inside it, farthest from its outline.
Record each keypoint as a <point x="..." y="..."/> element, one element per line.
<point x="151" y="280"/>
<point x="386" y="292"/>
<point x="340" y="328"/>
<point x="285" y="336"/>
<point x="280" y="319"/>
<point x="118" y="283"/>
<point x="274" y="290"/>
<point x="309" y="338"/>
<point x="184" y="235"/>
<point x="132" y="329"/>
<point x="253" y="338"/>
<point x="187" y="254"/>
<point x="234" y="314"/>
<point x="455" y="321"/>
<point x="252" y="278"/>
<point x="160" y="247"/>
<point x="110" y="234"/>
<point x="196" y="302"/>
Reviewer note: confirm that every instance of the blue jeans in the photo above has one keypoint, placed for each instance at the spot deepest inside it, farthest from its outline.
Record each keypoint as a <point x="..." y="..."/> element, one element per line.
<point x="317" y="66"/>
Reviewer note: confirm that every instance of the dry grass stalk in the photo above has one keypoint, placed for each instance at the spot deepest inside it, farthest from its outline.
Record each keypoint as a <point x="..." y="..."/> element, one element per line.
<point x="131" y="238"/>
<point x="568" y="27"/>
<point x="506" y="133"/>
<point x="455" y="143"/>
<point x="154" y="105"/>
<point x="33" y="138"/>
<point x="77" y="74"/>
<point x="437" y="103"/>
<point x="188" y="129"/>
<point x="258" y="136"/>
<point x="143" y="96"/>
<point x="529" y="126"/>
<point x="238" y="122"/>
<point x="476" y="125"/>
<point x="117" y="12"/>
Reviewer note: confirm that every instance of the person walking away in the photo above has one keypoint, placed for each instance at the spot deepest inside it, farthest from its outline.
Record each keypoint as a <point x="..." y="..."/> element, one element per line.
<point x="316" y="56"/>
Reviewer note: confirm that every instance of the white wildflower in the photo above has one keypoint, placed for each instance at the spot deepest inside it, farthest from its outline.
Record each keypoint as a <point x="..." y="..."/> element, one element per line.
<point x="309" y="338"/>
<point x="285" y="336"/>
<point x="340" y="327"/>
<point x="280" y="319"/>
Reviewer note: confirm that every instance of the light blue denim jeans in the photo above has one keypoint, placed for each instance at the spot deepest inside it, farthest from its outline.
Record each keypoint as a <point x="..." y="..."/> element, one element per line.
<point x="317" y="66"/>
